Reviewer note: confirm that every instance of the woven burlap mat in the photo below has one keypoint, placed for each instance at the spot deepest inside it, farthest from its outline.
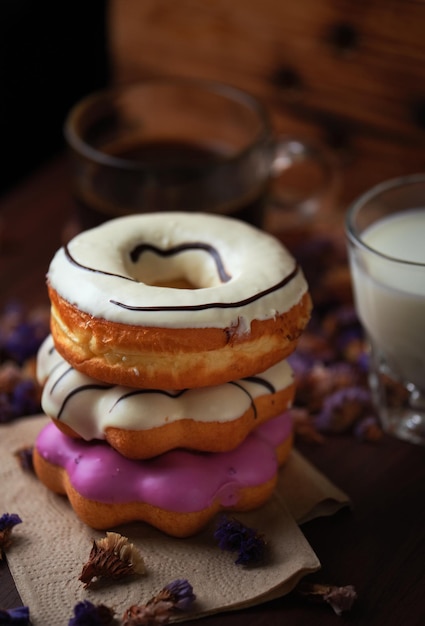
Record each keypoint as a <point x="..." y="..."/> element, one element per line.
<point x="51" y="545"/>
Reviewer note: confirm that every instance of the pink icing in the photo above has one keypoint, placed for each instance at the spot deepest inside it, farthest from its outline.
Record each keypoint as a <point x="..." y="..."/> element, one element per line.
<point x="178" y="480"/>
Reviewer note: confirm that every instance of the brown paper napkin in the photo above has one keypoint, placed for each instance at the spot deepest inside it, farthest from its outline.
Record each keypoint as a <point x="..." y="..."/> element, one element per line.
<point x="51" y="545"/>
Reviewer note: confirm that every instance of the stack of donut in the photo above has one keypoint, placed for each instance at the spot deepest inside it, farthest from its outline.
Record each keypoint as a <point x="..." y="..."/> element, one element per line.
<point x="165" y="374"/>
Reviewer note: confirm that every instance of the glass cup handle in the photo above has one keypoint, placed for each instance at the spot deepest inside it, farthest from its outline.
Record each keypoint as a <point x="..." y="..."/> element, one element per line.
<point x="303" y="174"/>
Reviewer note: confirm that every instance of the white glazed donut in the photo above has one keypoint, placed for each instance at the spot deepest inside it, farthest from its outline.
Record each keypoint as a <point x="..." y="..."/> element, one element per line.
<point x="119" y="315"/>
<point x="142" y="423"/>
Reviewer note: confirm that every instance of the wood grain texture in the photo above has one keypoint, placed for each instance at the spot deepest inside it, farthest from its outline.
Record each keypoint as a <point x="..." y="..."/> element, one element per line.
<point x="350" y="74"/>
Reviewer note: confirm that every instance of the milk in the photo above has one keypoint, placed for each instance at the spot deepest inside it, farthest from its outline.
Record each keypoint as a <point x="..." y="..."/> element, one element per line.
<point x="390" y="295"/>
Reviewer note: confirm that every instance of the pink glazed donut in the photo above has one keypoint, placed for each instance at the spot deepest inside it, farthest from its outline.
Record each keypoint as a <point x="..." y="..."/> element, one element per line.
<point x="177" y="492"/>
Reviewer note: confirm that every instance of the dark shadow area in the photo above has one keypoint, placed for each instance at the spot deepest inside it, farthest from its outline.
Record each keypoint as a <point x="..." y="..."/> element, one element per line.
<point x="51" y="54"/>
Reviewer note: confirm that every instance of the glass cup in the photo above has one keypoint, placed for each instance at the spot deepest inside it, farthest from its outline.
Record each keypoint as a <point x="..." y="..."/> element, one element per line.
<point x="182" y="144"/>
<point x="386" y="242"/>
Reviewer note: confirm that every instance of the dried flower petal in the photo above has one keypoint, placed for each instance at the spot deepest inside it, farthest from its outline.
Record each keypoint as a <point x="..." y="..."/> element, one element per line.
<point x="343" y="408"/>
<point x="7" y="523"/>
<point x="181" y="593"/>
<point x="21" y="334"/>
<point x="147" y="615"/>
<point x="177" y="595"/>
<point x="368" y="429"/>
<point x="16" y="617"/>
<point x="234" y="536"/>
<point x="9" y="520"/>
<point x="319" y="381"/>
<point x="112" y="557"/>
<point x="88" y="614"/>
<point x="341" y="599"/>
<point x="25" y="458"/>
<point x="19" y="393"/>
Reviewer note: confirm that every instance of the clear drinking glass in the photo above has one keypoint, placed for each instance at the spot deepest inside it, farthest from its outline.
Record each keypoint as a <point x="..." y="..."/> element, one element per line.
<point x="386" y="242"/>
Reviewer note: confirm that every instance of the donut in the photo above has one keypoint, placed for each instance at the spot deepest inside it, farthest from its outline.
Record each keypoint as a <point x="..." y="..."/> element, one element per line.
<point x="142" y="423"/>
<point x="175" y="300"/>
<point x="178" y="492"/>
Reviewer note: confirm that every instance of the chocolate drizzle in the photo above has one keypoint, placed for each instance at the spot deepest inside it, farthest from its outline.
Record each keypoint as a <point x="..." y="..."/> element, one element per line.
<point x="80" y="390"/>
<point x="75" y="391"/>
<point x="212" y="305"/>
<point x="171" y="394"/>
<point x="138" y="250"/>
<point x="254" y="408"/>
<point x="74" y="261"/>
<point x="177" y="394"/>
<point x="184" y="247"/>
<point x="260" y="381"/>
<point x="57" y="381"/>
<point x="137" y="392"/>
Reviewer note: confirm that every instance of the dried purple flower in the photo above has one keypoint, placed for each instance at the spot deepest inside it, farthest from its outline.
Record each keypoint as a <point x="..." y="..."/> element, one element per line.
<point x="181" y="592"/>
<point x="10" y="375"/>
<point x="341" y="599"/>
<point x="343" y="408"/>
<point x="112" y="557"/>
<point x="19" y="392"/>
<point x="21" y="343"/>
<point x="234" y="536"/>
<point x="177" y="595"/>
<point x="20" y="616"/>
<point x="25" y="458"/>
<point x="342" y="320"/>
<point x="24" y="398"/>
<point x="321" y="380"/>
<point x="362" y="362"/>
<point x="6" y="411"/>
<point x="88" y="614"/>
<point x="20" y="334"/>
<point x="368" y="429"/>
<point x="7" y="522"/>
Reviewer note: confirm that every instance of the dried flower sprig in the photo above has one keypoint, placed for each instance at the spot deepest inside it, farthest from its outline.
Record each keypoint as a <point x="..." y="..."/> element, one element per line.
<point x="181" y="593"/>
<point x="20" y="616"/>
<point x="177" y="595"/>
<point x="113" y="557"/>
<point x="21" y="334"/>
<point x="19" y="393"/>
<point x="7" y="522"/>
<point x="234" y="536"/>
<point x="341" y="599"/>
<point x="344" y="409"/>
<point x="88" y="614"/>
<point x="333" y="352"/>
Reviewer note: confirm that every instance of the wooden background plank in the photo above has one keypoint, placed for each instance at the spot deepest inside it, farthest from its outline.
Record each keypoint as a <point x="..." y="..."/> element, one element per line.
<point x="348" y="73"/>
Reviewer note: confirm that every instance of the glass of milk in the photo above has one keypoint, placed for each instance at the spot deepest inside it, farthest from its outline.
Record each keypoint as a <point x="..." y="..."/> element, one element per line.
<point x="386" y="242"/>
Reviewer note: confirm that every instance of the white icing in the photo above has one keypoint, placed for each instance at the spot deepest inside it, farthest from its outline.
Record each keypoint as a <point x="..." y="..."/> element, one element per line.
<point x="91" y="411"/>
<point x="255" y="261"/>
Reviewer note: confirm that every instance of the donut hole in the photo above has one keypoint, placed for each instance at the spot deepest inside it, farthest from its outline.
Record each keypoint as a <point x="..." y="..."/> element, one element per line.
<point x="186" y="270"/>
<point x="176" y="283"/>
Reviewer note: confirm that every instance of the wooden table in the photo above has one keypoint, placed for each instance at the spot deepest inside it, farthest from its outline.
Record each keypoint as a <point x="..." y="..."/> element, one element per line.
<point x="378" y="547"/>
